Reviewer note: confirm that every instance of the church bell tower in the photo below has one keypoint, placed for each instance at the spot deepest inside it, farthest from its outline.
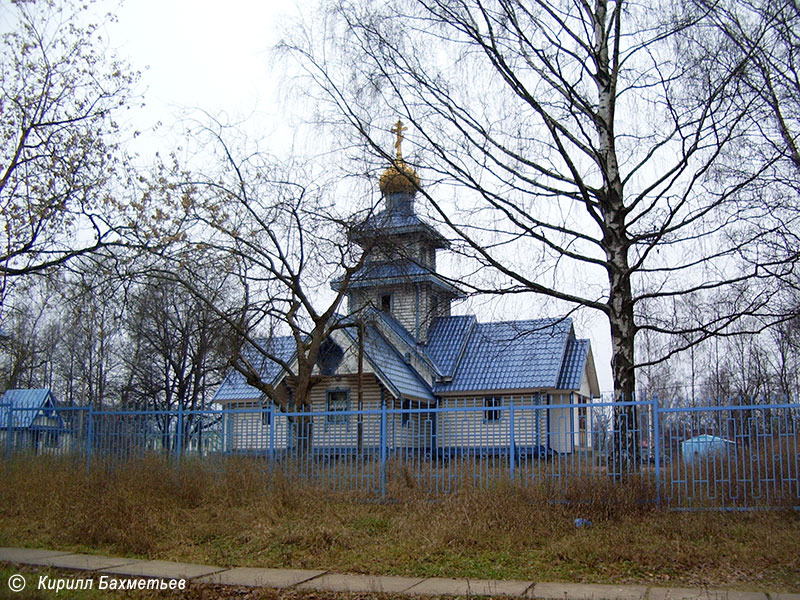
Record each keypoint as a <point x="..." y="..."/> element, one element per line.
<point x="399" y="277"/>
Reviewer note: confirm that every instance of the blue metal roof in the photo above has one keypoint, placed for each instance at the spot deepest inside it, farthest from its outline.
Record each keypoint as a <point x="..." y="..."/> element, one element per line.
<point x="391" y="366"/>
<point x="447" y="338"/>
<point x="31" y="402"/>
<point x="396" y="271"/>
<point x="235" y="387"/>
<point x="573" y="365"/>
<point x="510" y="355"/>
<point x="400" y="220"/>
<point x="478" y="357"/>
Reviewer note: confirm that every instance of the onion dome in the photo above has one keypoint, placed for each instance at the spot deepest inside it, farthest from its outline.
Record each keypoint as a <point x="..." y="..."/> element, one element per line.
<point x="400" y="177"/>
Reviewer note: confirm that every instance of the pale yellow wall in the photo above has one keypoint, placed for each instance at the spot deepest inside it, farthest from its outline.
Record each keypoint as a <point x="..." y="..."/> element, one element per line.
<point x="247" y="431"/>
<point x="471" y="429"/>
<point x="561" y="423"/>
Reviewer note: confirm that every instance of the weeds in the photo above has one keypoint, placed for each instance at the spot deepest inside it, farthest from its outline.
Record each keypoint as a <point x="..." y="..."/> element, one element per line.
<point x="240" y="514"/>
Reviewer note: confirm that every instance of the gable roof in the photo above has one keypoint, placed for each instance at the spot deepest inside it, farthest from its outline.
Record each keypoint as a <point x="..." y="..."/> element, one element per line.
<point x="509" y="355"/>
<point x="235" y="387"/>
<point x="403" y="342"/>
<point x="447" y="339"/>
<point x="390" y="366"/>
<point x="573" y="365"/>
<point x="387" y="362"/>
<point x="25" y="405"/>
<point x="468" y="356"/>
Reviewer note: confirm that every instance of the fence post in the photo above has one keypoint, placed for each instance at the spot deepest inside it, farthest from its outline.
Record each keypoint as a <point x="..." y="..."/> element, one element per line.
<point x="89" y="437"/>
<point x="179" y="435"/>
<point x="656" y="447"/>
<point x="9" y="432"/>
<point x="384" y="450"/>
<point x="272" y="417"/>
<point x="512" y="443"/>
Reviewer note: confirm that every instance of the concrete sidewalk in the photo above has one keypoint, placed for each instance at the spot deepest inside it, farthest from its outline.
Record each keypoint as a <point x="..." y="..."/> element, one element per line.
<point x="321" y="580"/>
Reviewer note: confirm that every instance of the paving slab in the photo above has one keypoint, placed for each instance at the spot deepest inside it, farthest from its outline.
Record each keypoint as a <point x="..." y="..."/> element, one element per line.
<point x="336" y="582"/>
<point x="702" y="594"/>
<point x="81" y="562"/>
<point x="254" y="577"/>
<point x="23" y="555"/>
<point x="163" y="569"/>
<point x="470" y="587"/>
<point x="780" y="596"/>
<point x="583" y="591"/>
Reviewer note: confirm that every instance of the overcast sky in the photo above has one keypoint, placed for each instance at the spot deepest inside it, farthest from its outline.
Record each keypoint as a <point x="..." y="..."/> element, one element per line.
<point x="203" y="54"/>
<point x="217" y="57"/>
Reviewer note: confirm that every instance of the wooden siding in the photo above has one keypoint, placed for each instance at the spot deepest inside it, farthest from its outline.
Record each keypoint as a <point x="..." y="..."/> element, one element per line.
<point x="473" y="430"/>
<point x="251" y="431"/>
<point x="404" y="303"/>
<point x="415" y="431"/>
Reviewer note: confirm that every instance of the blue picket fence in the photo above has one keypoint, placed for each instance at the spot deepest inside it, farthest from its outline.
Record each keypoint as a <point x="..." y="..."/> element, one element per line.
<point x="723" y="456"/>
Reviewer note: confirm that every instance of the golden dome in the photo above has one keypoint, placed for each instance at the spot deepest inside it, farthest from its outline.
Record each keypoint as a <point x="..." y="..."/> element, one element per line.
<point x="399" y="177"/>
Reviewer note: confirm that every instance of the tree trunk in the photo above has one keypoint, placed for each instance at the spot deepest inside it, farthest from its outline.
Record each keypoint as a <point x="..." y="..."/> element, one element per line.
<point x="624" y="456"/>
<point x="304" y="429"/>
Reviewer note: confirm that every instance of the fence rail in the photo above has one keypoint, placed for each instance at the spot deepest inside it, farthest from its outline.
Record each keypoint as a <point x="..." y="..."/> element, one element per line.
<point x="738" y="457"/>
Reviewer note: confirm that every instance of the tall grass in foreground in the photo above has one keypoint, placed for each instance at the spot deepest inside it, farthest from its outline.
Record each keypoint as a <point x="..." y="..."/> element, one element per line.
<point x="134" y="506"/>
<point x="238" y="513"/>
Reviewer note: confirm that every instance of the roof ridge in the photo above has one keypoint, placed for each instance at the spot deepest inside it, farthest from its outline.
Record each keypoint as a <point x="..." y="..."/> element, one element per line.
<point x="370" y="327"/>
<point x="464" y="345"/>
<point x="408" y="340"/>
<point x="540" y="319"/>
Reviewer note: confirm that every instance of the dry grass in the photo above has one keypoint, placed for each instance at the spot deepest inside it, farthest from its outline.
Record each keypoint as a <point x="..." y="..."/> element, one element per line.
<point x="236" y="516"/>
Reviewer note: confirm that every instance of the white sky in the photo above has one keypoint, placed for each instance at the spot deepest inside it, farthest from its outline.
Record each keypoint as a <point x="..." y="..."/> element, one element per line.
<point x="202" y="54"/>
<point x="217" y="57"/>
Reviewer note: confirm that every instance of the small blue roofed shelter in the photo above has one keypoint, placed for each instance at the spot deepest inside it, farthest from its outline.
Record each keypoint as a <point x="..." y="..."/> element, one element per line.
<point x="702" y="447"/>
<point x="35" y="424"/>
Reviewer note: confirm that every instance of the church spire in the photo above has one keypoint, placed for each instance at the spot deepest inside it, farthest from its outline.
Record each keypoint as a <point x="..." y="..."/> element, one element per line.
<point x="400" y="177"/>
<point x="398" y="129"/>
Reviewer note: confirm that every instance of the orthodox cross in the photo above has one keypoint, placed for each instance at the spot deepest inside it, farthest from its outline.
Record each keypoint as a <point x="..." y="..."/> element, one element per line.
<point x="398" y="129"/>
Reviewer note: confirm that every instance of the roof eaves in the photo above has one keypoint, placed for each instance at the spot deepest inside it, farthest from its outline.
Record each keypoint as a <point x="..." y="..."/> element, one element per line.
<point x="432" y="278"/>
<point x="378" y="371"/>
<point x="420" y="380"/>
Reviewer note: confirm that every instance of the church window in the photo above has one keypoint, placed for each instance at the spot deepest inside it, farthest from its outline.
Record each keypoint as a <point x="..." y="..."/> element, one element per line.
<point x="492" y="412"/>
<point x="405" y="417"/>
<point x="386" y="303"/>
<point x="337" y="402"/>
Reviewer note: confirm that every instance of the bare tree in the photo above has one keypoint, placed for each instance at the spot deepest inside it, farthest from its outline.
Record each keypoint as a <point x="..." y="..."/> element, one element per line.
<point x="581" y="141"/>
<point x="282" y="242"/>
<point x="763" y="40"/>
<point x="32" y="339"/>
<point x="89" y="312"/>
<point x="174" y="356"/>
<point x="786" y="359"/>
<point x="60" y="156"/>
